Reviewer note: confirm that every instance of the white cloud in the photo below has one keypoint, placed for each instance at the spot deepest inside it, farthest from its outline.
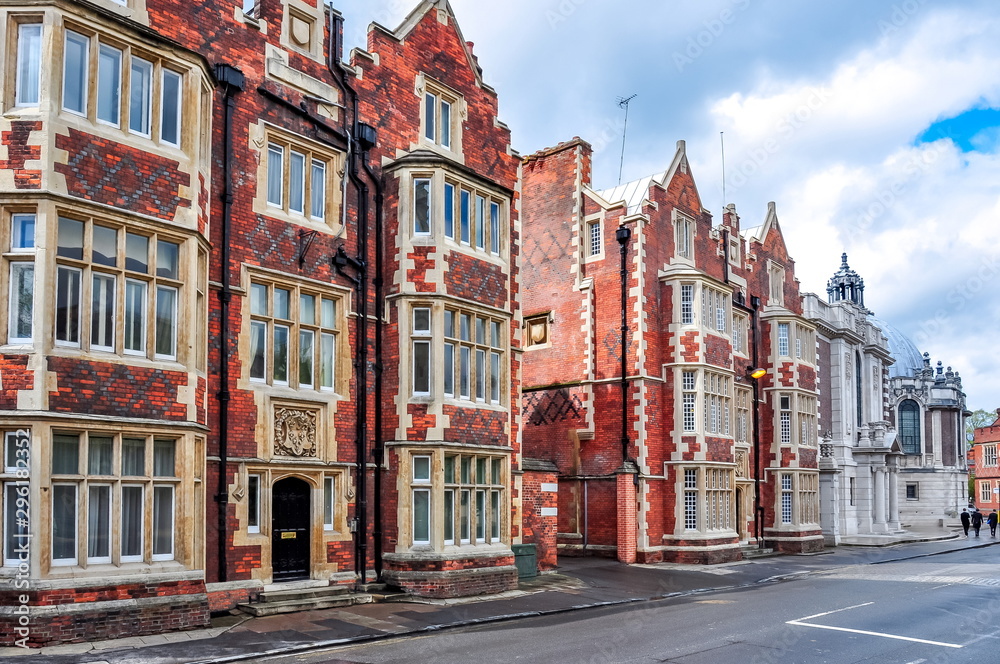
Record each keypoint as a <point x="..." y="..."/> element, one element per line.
<point x="820" y="106"/>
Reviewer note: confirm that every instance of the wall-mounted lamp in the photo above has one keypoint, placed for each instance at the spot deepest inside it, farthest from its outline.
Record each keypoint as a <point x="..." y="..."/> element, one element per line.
<point x="756" y="372"/>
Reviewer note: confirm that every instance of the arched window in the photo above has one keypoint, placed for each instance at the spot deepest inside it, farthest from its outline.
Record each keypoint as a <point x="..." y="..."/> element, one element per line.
<point x="909" y="426"/>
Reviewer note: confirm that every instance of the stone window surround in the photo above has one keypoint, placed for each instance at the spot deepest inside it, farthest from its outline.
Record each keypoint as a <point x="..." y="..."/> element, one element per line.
<point x="188" y="491"/>
<point x="187" y="107"/>
<point x="437" y="234"/>
<point x="262" y="135"/>
<point x="805" y="496"/>
<point x="685" y="230"/>
<point x="424" y="85"/>
<point x="802" y="409"/>
<point x="710" y="478"/>
<point x="435" y="337"/>
<point x="436" y="489"/>
<point x="297" y="286"/>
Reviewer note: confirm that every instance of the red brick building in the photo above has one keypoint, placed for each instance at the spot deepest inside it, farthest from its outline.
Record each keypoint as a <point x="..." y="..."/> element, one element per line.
<point x="263" y="321"/>
<point x="663" y="447"/>
<point x="984" y="466"/>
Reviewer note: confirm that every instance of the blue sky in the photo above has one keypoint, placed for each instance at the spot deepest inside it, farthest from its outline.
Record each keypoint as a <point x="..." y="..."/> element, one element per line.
<point x="872" y="124"/>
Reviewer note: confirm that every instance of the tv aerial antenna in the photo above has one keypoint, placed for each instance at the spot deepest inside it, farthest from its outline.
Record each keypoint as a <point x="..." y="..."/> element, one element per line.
<point x="623" y="103"/>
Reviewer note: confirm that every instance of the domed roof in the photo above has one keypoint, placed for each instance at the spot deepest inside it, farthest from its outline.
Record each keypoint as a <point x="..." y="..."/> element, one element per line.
<point x="908" y="358"/>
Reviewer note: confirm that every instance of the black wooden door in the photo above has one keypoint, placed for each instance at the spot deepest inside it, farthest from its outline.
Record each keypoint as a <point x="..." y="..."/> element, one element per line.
<point x="290" y="529"/>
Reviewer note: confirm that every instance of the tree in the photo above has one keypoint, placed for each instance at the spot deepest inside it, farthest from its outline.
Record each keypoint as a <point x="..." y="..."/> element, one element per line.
<point x="979" y="418"/>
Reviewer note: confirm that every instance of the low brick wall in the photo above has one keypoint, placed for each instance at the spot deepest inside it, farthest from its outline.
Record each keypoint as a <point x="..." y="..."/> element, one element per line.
<point x="93" y="613"/>
<point x="441" y="577"/>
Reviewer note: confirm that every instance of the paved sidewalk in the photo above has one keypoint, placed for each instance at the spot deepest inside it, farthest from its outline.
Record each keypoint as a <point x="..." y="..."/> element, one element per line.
<point x="579" y="583"/>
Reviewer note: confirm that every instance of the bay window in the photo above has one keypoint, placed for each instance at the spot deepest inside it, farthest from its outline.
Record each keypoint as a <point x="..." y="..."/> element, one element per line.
<point x="112" y="283"/>
<point x="101" y="483"/>
<point x="470" y="217"/>
<point x="708" y="498"/>
<point x="457" y="499"/>
<point x="151" y="95"/>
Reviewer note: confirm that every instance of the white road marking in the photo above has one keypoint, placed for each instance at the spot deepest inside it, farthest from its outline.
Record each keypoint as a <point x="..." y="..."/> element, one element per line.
<point x="846" y="608"/>
<point x="884" y="636"/>
<point x="865" y="632"/>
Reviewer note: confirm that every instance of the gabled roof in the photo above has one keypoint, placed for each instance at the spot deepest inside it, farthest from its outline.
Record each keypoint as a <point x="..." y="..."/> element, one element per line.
<point x="760" y="233"/>
<point x="634" y="194"/>
<point x="417" y="15"/>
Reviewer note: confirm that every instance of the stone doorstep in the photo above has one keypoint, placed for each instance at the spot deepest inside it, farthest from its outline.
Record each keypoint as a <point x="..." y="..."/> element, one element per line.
<point x="303" y="599"/>
<point x="296" y="605"/>
<point x="284" y="594"/>
<point x="753" y="551"/>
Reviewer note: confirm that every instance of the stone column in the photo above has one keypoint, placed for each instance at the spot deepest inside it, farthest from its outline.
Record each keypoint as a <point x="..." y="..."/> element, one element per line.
<point x="879" y="525"/>
<point x="893" y="498"/>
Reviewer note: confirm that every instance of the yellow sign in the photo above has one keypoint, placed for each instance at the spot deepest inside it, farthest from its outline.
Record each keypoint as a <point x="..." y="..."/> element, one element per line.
<point x="287" y="535"/>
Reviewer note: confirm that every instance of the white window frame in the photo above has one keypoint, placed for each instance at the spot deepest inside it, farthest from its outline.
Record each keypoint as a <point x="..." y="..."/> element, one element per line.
<point x="329" y="502"/>
<point x="687" y="304"/>
<point x="689" y="399"/>
<point x="286" y="329"/>
<point x="15" y="499"/>
<point x="783" y="332"/>
<point x="422" y="339"/>
<point x="114" y="104"/>
<point x="594" y="238"/>
<point x="254" y="496"/>
<point x="63" y="562"/>
<point x="425" y="184"/>
<point x="278" y="158"/>
<point x="177" y="104"/>
<point x="421" y="485"/>
<point x="145" y="110"/>
<point x="83" y="71"/>
<point x="173" y="522"/>
<point x="439" y="125"/>
<point x="985" y="491"/>
<point x="21" y="273"/>
<point x="684" y="232"/>
<point x="109" y="489"/>
<point x="142" y="523"/>
<point x="25" y="94"/>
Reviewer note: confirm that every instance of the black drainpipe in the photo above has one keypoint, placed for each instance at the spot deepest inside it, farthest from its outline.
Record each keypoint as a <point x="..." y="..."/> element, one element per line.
<point x="231" y="80"/>
<point x="755" y="304"/>
<point x="379" y="323"/>
<point x="360" y="264"/>
<point x="623" y="234"/>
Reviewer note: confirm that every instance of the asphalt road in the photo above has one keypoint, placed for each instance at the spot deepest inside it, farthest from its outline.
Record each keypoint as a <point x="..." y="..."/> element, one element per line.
<point x="938" y="609"/>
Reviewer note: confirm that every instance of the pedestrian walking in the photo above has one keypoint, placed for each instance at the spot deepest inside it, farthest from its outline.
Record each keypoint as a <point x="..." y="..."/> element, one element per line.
<point x="992" y="521"/>
<point x="977" y="521"/>
<point x="966" y="519"/>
